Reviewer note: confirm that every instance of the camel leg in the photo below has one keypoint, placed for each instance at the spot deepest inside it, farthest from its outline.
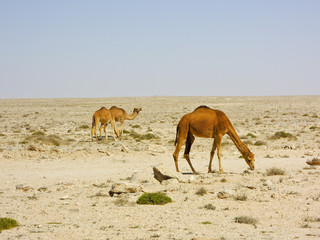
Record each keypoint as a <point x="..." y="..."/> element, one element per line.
<point x="95" y="129"/>
<point x="176" y="153"/>
<point x="92" y="133"/>
<point x="214" y="146"/>
<point x="115" y="130"/>
<point x="218" y="153"/>
<point x="189" y="142"/>
<point x="100" y="129"/>
<point x="121" y="128"/>
<point x="105" y="130"/>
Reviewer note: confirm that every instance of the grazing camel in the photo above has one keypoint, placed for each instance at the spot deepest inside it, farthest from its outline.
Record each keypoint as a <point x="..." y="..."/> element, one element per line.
<point x="104" y="116"/>
<point x="208" y="123"/>
<point x="120" y="115"/>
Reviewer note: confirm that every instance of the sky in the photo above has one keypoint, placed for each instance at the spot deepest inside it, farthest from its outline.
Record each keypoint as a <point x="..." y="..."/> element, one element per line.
<point x="126" y="48"/>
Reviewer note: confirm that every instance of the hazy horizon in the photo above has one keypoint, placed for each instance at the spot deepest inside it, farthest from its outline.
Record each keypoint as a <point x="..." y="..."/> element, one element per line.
<point x="98" y="49"/>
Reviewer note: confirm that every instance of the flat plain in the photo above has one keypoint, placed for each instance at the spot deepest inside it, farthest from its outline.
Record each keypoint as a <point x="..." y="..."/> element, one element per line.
<point x="55" y="181"/>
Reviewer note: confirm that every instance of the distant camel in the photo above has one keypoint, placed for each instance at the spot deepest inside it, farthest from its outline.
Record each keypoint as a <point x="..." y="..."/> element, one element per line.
<point x="103" y="116"/>
<point x="208" y="123"/>
<point x="120" y="115"/>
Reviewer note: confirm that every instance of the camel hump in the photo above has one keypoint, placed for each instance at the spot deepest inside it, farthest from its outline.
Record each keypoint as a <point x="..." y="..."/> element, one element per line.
<point x="202" y="106"/>
<point x="102" y="108"/>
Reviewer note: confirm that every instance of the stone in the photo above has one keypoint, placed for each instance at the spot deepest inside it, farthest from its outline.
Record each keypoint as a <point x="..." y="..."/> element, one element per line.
<point x="162" y="173"/>
<point x="124" y="187"/>
<point x="223" y="195"/>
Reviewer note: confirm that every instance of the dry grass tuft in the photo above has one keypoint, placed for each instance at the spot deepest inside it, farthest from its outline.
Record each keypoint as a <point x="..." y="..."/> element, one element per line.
<point x="201" y="191"/>
<point x="209" y="207"/>
<point x="282" y="134"/>
<point x="274" y="171"/>
<point x="241" y="197"/>
<point x="40" y="137"/>
<point x="246" y="220"/>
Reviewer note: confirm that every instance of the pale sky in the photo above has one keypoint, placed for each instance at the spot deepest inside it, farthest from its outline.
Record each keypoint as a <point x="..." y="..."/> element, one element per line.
<point x="55" y="49"/>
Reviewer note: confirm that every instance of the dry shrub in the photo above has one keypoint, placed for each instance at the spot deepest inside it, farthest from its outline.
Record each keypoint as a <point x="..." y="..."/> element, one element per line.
<point x="246" y="220"/>
<point x="209" y="206"/>
<point x="275" y="171"/>
<point x="241" y="197"/>
<point x="201" y="191"/>
<point x="42" y="138"/>
<point x="260" y="143"/>
<point x="123" y="202"/>
<point x="283" y="134"/>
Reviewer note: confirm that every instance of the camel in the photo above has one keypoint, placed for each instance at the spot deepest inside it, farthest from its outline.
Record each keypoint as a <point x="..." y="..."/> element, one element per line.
<point x="104" y="116"/>
<point x="207" y="123"/>
<point x="120" y="115"/>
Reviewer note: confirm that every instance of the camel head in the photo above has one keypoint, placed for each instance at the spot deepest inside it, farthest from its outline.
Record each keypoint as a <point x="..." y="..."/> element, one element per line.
<point x="137" y="110"/>
<point x="250" y="160"/>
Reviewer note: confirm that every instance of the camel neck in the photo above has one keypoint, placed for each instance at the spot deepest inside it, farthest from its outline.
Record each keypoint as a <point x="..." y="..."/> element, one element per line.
<point x="131" y="116"/>
<point x="236" y="140"/>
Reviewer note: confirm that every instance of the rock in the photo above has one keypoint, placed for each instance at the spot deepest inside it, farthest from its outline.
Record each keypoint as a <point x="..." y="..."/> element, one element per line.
<point x="162" y="173"/>
<point x="124" y="187"/>
<point x="64" y="197"/>
<point x="170" y="181"/>
<point x="223" y="195"/>
<point x="314" y="161"/>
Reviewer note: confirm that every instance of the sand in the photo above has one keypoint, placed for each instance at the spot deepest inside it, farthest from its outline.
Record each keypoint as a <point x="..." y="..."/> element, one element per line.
<point x="56" y="185"/>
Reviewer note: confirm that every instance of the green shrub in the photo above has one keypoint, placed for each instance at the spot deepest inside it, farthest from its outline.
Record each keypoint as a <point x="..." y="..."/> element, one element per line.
<point x="84" y="126"/>
<point x="7" y="223"/>
<point x="154" y="199"/>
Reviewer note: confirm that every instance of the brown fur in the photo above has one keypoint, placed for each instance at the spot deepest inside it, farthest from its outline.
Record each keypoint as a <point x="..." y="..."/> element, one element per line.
<point x="120" y="115"/>
<point x="103" y="116"/>
<point x="207" y="123"/>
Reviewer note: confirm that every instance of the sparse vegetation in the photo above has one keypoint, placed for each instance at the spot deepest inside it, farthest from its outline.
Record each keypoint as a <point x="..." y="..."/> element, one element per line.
<point x="38" y="133"/>
<point x="260" y="143"/>
<point x="154" y="199"/>
<point x="209" y="207"/>
<point x="251" y="135"/>
<point x="7" y="223"/>
<point x="122" y="202"/>
<point x="40" y="137"/>
<point x="206" y="222"/>
<point x="138" y="137"/>
<point x="246" y="220"/>
<point x="84" y="126"/>
<point x="282" y="134"/>
<point x="311" y="219"/>
<point x="241" y="197"/>
<point x="201" y="191"/>
<point x="274" y="171"/>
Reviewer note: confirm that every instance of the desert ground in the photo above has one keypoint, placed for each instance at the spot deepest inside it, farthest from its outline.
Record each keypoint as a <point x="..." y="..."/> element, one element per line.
<point x="55" y="181"/>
